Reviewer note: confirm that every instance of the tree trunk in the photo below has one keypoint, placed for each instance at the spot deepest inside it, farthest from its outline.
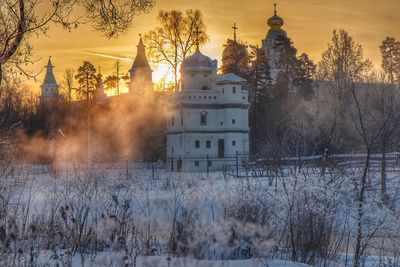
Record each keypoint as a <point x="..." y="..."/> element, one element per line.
<point x="10" y="49"/>
<point x="383" y="175"/>
<point x="360" y="213"/>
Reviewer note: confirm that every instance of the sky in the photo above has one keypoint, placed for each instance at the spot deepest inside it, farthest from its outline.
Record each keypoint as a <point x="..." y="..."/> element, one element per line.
<point x="309" y="23"/>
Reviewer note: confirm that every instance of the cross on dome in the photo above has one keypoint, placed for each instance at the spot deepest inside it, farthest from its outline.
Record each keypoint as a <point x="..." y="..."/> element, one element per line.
<point x="197" y="38"/>
<point x="234" y="31"/>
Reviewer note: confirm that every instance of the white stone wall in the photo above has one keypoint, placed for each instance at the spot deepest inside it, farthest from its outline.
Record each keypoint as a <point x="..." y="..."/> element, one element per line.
<point x="226" y="111"/>
<point x="199" y="80"/>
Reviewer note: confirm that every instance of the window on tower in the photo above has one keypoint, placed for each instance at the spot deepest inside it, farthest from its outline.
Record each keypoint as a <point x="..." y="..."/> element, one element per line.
<point x="234" y="90"/>
<point x="203" y="118"/>
<point x="208" y="144"/>
<point x="181" y="119"/>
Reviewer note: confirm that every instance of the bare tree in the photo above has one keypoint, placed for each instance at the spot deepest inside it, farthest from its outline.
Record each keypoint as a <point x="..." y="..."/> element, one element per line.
<point x="68" y="83"/>
<point x="20" y="19"/>
<point x="390" y="51"/>
<point x="176" y="37"/>
<point x="341" y="64"/>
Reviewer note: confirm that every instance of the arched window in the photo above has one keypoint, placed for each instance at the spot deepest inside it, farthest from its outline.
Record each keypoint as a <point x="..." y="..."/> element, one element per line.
<point x="205" y="87"/>
<point x="203" y="118"/>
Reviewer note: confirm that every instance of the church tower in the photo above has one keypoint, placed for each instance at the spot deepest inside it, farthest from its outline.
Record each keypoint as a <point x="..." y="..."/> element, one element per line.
<point x="99" y="93"/>
<point x="207" y="120"/>
<point x="269" y="44"/>
<point x="141" y="80"/>
<point x="49" y="86"/>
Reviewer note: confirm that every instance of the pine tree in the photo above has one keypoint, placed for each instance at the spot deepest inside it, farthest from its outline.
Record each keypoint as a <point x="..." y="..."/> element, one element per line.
<point x="259" y="83"/>
<point x="87" y="80"/>
<point x="235" y="58"/>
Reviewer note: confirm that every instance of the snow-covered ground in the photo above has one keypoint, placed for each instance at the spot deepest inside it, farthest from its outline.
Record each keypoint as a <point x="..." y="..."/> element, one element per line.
<point x="211" y="217"/>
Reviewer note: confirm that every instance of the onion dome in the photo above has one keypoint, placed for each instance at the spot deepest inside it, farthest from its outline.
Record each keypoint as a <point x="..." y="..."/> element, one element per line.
<point x="275" y="22"/>
<point x="197" y="62"/>
<point x="99" y="93"/>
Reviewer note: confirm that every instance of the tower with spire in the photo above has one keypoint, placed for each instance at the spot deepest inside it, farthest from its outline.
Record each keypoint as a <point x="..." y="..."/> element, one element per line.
<point x="49" y="86"/>
<point x="99" y="94"/>
<point x="269" y="44"/>
<point x="141" y="80"/>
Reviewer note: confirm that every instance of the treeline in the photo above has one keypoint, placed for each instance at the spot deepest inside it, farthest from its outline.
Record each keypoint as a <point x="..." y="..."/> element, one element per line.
<point x="310" y="108"/>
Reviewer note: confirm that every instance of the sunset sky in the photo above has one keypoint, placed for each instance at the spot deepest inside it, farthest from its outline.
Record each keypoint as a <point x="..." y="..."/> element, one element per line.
<point x="309" y="24"/>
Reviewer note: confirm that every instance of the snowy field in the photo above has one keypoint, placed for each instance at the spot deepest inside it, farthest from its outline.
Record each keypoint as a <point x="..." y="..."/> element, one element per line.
<point x="135" y="216"/>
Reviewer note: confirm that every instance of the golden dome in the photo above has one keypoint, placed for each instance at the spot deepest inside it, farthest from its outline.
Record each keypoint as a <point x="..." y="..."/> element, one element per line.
<point x="275" y="22"/>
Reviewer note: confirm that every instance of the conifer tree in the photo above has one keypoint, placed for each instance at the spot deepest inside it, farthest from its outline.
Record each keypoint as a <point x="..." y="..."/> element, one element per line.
<point x="259" y="83"/>
<point x="86" y="79"/>
<point x="235" y="58"/>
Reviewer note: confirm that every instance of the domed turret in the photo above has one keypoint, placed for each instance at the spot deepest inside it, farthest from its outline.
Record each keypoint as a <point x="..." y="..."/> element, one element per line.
<point x="197" y="63"/>
<point x="99" y="93"/>
<point x="270" y="43"/>
<point x="198" y="72"/>
<point x="275" y="22"/>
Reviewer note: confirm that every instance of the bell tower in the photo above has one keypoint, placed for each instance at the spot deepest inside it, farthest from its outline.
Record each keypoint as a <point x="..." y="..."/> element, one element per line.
<point x="141" y="80"/>
<point x="49" y="87"/>
<point x="270" y="45"/>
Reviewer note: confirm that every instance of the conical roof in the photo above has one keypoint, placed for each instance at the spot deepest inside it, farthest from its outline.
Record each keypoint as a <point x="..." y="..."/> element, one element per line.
<point x="141" y="60"/>
<point x="49" y="79"/>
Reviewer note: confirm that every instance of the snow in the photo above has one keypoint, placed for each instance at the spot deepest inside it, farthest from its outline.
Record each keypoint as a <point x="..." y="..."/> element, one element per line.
<point x="230" y="77"/>
<point x="214" y="202"/>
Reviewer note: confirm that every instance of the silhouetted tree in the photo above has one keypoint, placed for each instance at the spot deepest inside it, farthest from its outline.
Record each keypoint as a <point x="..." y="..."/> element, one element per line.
<point x="390" y="51"/>
<point x="176" y="38"/>
<point x="21" y="19"/>
<point x="86" y="79"/>
<point x="235" y="58"/>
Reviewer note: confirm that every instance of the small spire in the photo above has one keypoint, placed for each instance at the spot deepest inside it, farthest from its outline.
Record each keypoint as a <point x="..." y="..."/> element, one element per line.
<point x="197" y="39"/>
<point x="234" y="31"/>
<point x="49" y="64"/>
<point x="275" y="8"/>
<point x="99" y="70"/>
<point x="49" y="78"/>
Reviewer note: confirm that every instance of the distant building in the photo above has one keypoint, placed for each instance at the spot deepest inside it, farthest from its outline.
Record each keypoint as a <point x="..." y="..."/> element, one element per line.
<point x="141" y="80"/>
<point x="99" y="93"/>
<point x="207" y="124"/>
<point x="49" y="88"/>
<point x="270" y="45"/>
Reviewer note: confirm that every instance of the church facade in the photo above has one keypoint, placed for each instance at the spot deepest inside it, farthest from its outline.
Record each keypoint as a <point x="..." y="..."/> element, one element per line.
<point x="207" y="123"/>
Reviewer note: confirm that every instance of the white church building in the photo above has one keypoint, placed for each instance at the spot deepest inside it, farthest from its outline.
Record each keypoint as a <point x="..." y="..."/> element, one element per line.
<point x="207" y="125"/>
